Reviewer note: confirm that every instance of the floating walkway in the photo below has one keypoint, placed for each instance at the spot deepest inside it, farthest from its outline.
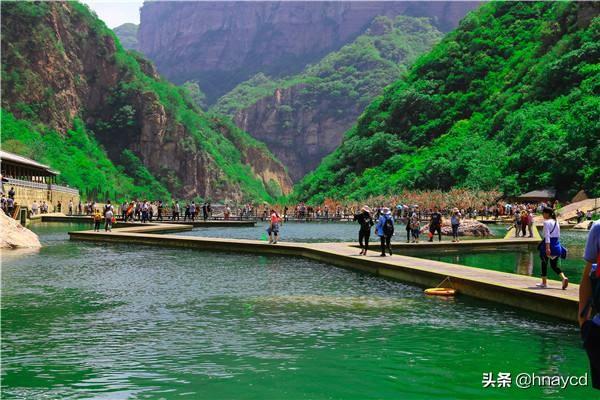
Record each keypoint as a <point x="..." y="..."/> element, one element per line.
<point x="196" y="223"/>
<point x="510" y="289"/>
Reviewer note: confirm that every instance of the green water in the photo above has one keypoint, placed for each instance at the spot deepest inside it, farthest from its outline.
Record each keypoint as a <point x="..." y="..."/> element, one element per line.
<point x="312" y="232"/>
<point x="500" y="260"/>
<point x="513" y="261"/>
<point x="82" y="320"/>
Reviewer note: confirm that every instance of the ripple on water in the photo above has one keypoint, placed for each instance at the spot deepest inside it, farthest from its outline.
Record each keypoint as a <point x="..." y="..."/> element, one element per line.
<point x="118" y="321"/>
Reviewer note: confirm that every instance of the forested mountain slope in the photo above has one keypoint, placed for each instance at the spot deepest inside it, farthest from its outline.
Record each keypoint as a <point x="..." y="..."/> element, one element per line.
<point x="127" y="34"/>
<point x="510" y="100"/>
<point x="220" y="44"/>
<point x="302" y="118"/>
<point x="73" y="98"/>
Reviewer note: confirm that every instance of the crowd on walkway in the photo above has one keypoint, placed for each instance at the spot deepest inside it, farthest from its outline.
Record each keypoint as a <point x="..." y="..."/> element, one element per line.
<point x="8" y="203"/>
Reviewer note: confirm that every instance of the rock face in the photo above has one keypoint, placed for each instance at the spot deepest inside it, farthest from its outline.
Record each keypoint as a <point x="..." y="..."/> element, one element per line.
<point x="13" y="235"/>
<point x="303" y="117"/>
<point x="221" y="44"/>
<point x="71" y="67"/>
<point x="299" y="136"/>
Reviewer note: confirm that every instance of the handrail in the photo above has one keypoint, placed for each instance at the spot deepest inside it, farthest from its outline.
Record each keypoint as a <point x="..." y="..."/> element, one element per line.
<point x="65" y="189"/>
<point x="28" y="184"/>
<point x="40" y="185"/>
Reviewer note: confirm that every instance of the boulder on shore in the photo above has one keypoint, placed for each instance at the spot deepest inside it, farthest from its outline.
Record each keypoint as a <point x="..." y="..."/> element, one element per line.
<point x="13" y="235"/>
<point x="468" y="227"/>
<point x="570" y="211"/>
<point x="584" y="225"/>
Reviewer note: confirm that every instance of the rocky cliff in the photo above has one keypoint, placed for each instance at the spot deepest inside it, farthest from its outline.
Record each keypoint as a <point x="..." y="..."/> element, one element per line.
<point x="220" y="44"/>
<point x="299" y="136"/>
<point x="60" y="63"/>
<point x="302" y="118"/>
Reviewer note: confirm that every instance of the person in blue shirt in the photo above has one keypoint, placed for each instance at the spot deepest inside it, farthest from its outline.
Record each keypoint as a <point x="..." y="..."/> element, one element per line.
<point x="385" y="230"/>
<point x="589" y="303"/>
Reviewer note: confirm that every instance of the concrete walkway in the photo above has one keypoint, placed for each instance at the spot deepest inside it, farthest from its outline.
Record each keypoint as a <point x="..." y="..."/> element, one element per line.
<point x="196" y="223"/>
<point x="511" y="289"/>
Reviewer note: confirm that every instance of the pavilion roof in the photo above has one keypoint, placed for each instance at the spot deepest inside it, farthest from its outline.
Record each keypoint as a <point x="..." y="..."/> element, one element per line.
<point x="26" y="162"/>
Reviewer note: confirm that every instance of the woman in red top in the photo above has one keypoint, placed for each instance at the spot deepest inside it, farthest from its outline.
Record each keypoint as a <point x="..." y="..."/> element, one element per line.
<point x="273" y="229"/>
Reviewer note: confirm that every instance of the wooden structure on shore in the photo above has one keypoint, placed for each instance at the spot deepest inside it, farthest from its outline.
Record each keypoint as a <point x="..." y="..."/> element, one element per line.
<point x="33" y="181"/>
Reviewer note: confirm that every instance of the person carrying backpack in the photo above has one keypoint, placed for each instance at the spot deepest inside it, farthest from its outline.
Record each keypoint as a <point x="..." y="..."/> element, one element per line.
<point x="589" y="303"/>
<point x="551" y="249"/>
<point x="108" y="219"/>
<point x="435" y="225"/>
<point x="97" y="220"/>
<point x="385" y="230"/>
<point x="366" y="222"/>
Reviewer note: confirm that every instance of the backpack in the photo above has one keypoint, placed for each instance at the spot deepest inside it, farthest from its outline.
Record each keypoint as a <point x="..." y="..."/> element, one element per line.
<point x="388" y="227"/>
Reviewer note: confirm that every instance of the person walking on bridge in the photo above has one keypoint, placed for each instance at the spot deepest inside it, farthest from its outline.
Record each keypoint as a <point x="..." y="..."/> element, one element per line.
<point x="530" y="222"/>
<point x="273" y="229"/>
<point x="176" y="209"/>
<point x="193" y="210"/>
<point x="435" y="224"/>
<point x="551" y="249"/>
<point x="159" y="216"/>
<point x="415" y="226"/>
<point x="108" y="219"/>
<point x="408" y="228"/>
<point x="366" y="222"/>
<point x="589" y="303"/>
<point x="205" y="211"/>
<point x="145" y="210"/>
<point x="455" y="222"/>
<point x="124" y="208"/>
<point x="385" y="230"/>
<point x="97" y="217"/>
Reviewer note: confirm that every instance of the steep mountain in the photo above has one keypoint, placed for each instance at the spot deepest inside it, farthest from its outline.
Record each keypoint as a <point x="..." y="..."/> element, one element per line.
<point x="222" y="43"/>
<point x="73" y="98"/>
<point x="302" y="118"/>
<point x="510" y="99"/>
<point x="127" y="34"/>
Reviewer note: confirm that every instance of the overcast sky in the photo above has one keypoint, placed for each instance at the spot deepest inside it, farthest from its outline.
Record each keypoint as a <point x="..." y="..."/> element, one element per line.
<point x="116" y="12"/>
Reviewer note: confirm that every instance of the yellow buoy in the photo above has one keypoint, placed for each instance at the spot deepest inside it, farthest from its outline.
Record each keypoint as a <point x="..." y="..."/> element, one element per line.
<point x="440" y="291"/>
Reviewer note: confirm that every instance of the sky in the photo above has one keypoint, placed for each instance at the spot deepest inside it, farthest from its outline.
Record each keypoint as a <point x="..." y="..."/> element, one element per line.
<point x="116" y="12"/>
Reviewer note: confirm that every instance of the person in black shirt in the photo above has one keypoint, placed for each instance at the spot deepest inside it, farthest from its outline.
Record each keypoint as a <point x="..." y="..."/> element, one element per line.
<point x="159" y="216"/>
<point x="435" y="225"/>
<point x="366" y="222"/>
<point x="205" y="211"/>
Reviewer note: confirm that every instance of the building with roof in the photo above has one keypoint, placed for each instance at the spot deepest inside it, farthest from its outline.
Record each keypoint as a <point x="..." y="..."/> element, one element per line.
<point x="538" y="195"/>
<point x="33" y="181"/>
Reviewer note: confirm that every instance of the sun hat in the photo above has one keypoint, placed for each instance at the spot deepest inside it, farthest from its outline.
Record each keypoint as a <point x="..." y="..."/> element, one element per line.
<point x="385" y="210"/>
<point x="366" y="208"/>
